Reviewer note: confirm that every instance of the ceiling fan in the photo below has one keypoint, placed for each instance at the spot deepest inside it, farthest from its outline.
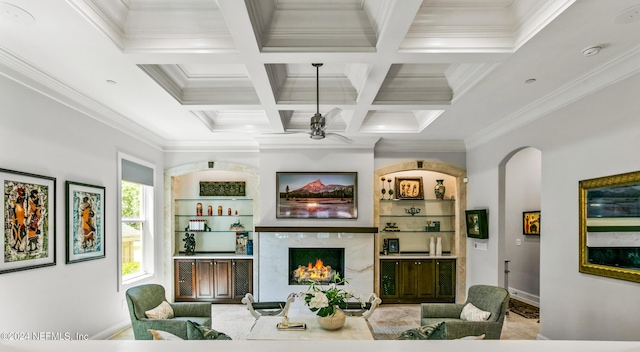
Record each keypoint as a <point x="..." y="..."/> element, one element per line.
<point x="319" y="123"/>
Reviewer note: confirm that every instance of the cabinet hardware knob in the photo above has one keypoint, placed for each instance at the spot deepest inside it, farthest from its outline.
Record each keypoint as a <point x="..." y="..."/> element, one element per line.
<point x="419" y="263"/>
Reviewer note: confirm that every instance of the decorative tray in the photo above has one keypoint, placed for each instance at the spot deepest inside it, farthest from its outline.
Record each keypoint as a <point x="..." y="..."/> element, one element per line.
<point x="292" y="326"/>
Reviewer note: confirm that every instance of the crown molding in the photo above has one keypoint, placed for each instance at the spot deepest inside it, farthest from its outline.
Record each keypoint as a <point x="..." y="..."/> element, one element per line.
<point x="611" y="72"/>
<point x="412" y="146"/>
<point x="34" y="78"/>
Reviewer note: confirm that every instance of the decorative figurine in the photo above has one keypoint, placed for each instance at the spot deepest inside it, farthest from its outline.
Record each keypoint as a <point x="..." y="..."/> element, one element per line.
<point x="219" y="210"/>
<point x="199" y="209"/>
<point x="209" y="210"/>
<point x="189" y="244"/>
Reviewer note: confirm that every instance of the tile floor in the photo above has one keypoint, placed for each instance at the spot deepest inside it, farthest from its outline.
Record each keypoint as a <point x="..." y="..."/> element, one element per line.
<point x="386" y="321"/>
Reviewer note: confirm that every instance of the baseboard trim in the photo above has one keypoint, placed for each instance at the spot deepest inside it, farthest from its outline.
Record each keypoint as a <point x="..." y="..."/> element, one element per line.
<point x="112" y="331"/>
<point x="524" y="297"/>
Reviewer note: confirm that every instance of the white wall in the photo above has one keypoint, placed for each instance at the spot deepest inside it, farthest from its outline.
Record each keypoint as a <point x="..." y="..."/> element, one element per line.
<point x="41" y="136"/>
<point x="522" y="193"/>
<point x="596" y="136"/>
<point x="320" y="160"/>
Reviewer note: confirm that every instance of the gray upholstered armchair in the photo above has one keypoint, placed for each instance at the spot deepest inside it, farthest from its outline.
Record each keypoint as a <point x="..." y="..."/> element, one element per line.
<point x="487" y="298"/>
<point x="146" y="297"/>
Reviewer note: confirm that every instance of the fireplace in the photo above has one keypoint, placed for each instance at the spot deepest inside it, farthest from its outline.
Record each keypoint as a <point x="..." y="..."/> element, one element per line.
<point x="318" y="264"/>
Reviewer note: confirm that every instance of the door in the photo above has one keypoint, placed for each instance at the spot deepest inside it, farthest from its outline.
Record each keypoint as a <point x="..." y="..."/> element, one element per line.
<point x="446" y="280"/>
<point x="242" y="278"/>
<point x="425" y="280"/>
<point x="204" y="274"/>
<point x="408" y="280"/>
<point x="389" y="275"/>
<point x="185" y="279"/>
<point x="222" y="279"/>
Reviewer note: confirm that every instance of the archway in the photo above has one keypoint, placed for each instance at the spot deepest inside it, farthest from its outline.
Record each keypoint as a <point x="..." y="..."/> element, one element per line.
<point x="171" y="176"/>
<point x="461" y="203"/>
<point x="520" y="182"/>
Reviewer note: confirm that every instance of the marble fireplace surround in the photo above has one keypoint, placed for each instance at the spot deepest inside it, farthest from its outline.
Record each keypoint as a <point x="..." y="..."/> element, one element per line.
<point x="272" y="250"/>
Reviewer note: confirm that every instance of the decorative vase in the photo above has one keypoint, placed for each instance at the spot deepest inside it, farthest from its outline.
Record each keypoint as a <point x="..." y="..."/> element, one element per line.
<point x="334" y="321"/>
<point x="432" y="247"/>
<point x="439" y="189"/>
<point x="439" y="246"/>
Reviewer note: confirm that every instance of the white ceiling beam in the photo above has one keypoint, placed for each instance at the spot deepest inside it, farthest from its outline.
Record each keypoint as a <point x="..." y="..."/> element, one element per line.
<point x="391" y="35"/>
<point x="241" y="30"/>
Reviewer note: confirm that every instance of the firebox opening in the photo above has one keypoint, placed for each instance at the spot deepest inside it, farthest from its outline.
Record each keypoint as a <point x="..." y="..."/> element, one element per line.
<point x="318" y="264"/>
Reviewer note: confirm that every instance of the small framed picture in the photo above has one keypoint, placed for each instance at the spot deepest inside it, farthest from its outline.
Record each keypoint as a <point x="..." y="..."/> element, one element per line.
<point x="477" y="226"/>
<point x="531" y="222"/>
<point x="394" y="245"/>
<point x="409" y="188"/>
<point x="85" y="213"/>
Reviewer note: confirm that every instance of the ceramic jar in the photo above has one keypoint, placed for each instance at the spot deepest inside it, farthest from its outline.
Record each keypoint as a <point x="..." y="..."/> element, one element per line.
<point x="334" y="321"/>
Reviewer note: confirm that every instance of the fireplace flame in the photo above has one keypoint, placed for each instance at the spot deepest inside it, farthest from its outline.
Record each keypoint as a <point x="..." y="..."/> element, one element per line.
<point x="317" y="272"/>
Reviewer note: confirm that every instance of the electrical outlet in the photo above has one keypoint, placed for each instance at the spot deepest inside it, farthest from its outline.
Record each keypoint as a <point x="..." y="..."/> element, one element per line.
<point x="518" y="242"/>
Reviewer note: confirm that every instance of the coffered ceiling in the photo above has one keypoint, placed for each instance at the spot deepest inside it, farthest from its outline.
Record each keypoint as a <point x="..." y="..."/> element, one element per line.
<point x="444" y="75"/>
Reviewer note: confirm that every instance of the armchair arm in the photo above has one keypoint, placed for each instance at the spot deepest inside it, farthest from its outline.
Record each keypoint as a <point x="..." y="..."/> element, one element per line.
<point x="440" y="310"/>
<point x="375" y="301"/>
<point x="458" y="329"/>
<point x="192" y="309"/>
<point x="176" y="327"/>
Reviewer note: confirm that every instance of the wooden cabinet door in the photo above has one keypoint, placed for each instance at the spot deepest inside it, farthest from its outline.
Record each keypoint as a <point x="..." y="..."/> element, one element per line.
<point x="446" y="280"/>
<point x="222" y="279"/>
<point x="407" y="289"/>
<point x="185" y="279"/>
<point x="242" y="278"/>
<point x="204" y="274"/>
<point x="425" y="279"/>
<point x="389" y="279"/>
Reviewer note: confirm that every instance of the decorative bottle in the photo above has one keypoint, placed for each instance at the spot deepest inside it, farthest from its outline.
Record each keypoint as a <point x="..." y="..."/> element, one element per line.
<point x="432" y="247"/>
<point x="439" y="189"/>
<point x="439" y="246"/>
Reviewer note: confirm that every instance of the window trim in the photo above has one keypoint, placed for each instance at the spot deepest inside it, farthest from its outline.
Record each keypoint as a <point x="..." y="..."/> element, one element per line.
<point x="150" y="258"/>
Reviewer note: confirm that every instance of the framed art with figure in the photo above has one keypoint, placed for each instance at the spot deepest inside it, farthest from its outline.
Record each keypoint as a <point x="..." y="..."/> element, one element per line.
<point x="85" y="235"/>
<point x="29" y="219"/>
<point x="531" y="222"/>
<point x="409" y="188"/>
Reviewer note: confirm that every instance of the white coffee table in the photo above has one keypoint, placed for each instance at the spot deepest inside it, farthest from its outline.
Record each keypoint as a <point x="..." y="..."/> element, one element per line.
<point x="265" y="328"/>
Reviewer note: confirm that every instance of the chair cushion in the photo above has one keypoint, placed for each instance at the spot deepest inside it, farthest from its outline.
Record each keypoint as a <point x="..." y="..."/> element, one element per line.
<point x="196" y="331"/>
<point x="162" y="311"/>
<point x="473" y="313"/>
<point x="480" y="337"/>
<point x="162" y="335"/>
<point x="433" y="331"/>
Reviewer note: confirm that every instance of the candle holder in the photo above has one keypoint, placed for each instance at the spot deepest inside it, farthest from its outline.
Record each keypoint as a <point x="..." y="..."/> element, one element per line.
<point x="383" y="190"/>
<point x="390" y="190"/>
<point x="413" y="210"/>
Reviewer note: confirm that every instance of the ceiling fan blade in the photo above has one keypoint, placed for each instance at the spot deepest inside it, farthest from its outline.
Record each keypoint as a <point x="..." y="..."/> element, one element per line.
<point x="329" y="116"/>
<point x="339" y="137"/>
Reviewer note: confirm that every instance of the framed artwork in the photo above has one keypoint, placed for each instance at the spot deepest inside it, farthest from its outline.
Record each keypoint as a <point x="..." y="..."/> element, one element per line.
<point x="317" y="195"/>
<point x="409" y="187"/>
<point x="85" y="207"/>
<point x="609" y="227"/>
<point x="227" y="189"/>
<point x="28" y="216"/>
<point x="531" y="222"/>
<point x="394" y="245"/>
<point x="477" y="226"/>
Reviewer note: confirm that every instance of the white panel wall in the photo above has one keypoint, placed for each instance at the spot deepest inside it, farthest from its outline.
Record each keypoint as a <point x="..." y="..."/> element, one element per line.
<point x="596" y="136"/>
<point x="41" y="136"/>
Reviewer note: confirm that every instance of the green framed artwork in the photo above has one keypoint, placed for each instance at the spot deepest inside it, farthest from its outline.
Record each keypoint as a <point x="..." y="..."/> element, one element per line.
<point x="609" y="227"/>
<point x="477" y="226"/>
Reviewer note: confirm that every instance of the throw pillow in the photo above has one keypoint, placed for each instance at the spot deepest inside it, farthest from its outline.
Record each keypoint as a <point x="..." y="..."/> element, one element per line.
<point x="163" y="311"/>
<point x="481" y="337"/>
<point x="473" y="313"/>
<point x="425" y="332"/>
<point x="163" y="335"/>
<point x="196" y="331"/>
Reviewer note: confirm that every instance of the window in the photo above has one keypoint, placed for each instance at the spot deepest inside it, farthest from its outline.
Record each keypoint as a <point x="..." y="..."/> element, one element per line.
<point x="136" y="220"/>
